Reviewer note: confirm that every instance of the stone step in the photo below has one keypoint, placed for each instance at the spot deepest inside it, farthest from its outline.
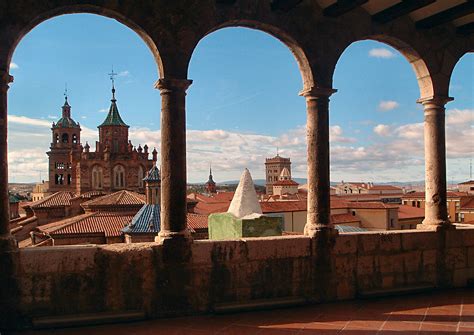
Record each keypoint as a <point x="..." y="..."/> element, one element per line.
<point x="259" y="304"/>
<point x="396" y="291"/>
<point x="76" y="320"/>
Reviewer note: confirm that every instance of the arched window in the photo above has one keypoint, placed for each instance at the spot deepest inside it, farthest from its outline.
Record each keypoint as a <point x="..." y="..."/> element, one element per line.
<point x="69" y="179"/>
<point x="97" y="178"/>
<point x="65" y="138"/>
<point x="119" y="176"/>
<point x="140" y="176"/>
<point x="74" y="139"/>
<point x="56" y="138"/>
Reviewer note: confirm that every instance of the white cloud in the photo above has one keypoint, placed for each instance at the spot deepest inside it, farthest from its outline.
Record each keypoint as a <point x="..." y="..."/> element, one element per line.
<point x="28" y="121"/>
<point x="125" y="73"/>
<point x="399" y="156"/>
<point x="381" y="53"/>
<point x="382" y="130"/>
<point x="388" y="105"/>
<point x="103" y="110"/>
<point x="83" y="117"/>
<point x="14" y="66"/>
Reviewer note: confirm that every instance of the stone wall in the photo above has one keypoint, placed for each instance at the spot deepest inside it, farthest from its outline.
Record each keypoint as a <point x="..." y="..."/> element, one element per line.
<point x="163" y="281"/>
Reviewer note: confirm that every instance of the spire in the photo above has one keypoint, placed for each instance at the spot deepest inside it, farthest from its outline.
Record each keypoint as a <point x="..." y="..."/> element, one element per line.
<point x="210" y="172"/>
<point x="113" y="117"/>
<point x="66" y="107"/>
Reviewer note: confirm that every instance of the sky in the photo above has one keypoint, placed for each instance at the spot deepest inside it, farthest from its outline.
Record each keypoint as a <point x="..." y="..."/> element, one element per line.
<point x="242" y="106"/>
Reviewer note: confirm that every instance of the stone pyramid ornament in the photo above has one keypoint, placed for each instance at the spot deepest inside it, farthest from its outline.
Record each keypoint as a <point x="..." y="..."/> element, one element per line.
<point x="245" y="204"/>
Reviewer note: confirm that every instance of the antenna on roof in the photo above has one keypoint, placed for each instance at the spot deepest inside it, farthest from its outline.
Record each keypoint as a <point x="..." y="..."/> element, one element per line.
<point x="278" y="151"/>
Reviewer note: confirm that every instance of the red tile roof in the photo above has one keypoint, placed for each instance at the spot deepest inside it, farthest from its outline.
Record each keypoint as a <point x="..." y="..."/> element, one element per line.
<point x="209" y="208"/>
<point x="285" y="183"/>
<point x="90" y="194"/>
<point x="196" y="221"/>
<point x="110" y="224"/>
<point x="421" y="195"/>
<point x="410" y="212"/>
<point x="344" y="218"/>
<point x="120" y="198"/>
<point x="467" y="203"/>
<point x="283" y="206"/>
<point x="58" y="199"/>
<point x="467" y="182"/>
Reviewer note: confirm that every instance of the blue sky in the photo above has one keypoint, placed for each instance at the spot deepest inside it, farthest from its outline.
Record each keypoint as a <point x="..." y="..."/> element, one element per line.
<point x="243" y="103"/>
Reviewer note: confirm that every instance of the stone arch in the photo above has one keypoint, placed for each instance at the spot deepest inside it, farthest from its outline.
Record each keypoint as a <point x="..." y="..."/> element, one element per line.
<point x="301" y="56"/>
<point x="454" y="63"/>
<point x="65" y="138"/>
<point x="423" y="74"/>
<point x="84" y="9"/>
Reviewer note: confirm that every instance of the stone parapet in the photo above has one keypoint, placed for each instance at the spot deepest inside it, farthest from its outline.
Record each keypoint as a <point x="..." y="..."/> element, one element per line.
<point x="144" y="277"/>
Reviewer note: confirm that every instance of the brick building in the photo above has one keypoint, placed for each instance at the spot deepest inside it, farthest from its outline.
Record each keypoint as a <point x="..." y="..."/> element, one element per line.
<point x="273" y="168"/>
<point x="114" y="165"/>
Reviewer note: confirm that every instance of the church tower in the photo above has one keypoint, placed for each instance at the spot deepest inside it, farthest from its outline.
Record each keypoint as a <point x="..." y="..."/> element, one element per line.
<point x="64" y="151"/>
<point x="211" y="184"/>
<point x="113" y="132"/>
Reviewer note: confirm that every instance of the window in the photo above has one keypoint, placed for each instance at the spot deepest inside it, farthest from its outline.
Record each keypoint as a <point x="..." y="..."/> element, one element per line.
<point x="74" y="139"/>
<point x="119" y="176"/>
<point x="116" y="146"/>
<point x="69" y="179"/>
<point x="97" y="177"/>
<point x="392" y="223"/>
<point x="65" y="138"/>
<point x="56" y="138"/>
<point x="418" y="204"/>
<point x="353" y="213"/>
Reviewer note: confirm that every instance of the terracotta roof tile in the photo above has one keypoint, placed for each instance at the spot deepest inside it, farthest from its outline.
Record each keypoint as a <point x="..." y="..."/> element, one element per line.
<point x="196" y="221"/>
<point x="285" y="183"/>
<point x="409" y="212"/>
<point x="416" y="195"/>
<point x="283" y="206"/>
<point x="110" y="224"/>
<point x="467" y="203"/>
<point x="120" y="198"/>
<point x="344" y="218"/>
<point x="58" y="199"/>
<point x="467" y="182"/>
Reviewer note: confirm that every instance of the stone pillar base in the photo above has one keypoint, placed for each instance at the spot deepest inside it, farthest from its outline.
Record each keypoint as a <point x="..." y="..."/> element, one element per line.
<point x="7" y="243"/>
<point x="166" y="237"/>
<point x="315" y="230"/>
<point x="436" y="226"/>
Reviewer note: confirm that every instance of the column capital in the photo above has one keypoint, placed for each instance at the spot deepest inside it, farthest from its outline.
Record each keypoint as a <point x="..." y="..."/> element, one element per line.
<point x="434" y="101"/>
<point x="317" y="92"/>
<point x="166" y="85"/>
<point x="5" y="78"/>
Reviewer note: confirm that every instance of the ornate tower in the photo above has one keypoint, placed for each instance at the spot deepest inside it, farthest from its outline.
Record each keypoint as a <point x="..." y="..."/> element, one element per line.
<point x="211" y="184"/>
<point x="273" y="168"/>
<point x="64" y="151"/>
<point x="113" y="132"/>
<point x="153" y="186"/>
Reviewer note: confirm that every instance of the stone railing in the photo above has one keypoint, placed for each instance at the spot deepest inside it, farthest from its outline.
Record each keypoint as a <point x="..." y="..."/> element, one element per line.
<point x="213" y="275"/>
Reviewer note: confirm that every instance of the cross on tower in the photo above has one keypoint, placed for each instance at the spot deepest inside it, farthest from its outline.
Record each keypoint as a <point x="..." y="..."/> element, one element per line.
<point x="112" y="75"/>
<point x="65" y="91"/>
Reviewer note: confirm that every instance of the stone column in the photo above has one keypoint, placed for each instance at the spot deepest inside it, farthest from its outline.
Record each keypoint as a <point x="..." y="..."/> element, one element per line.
<point x="6" y="239"/>
<point x="173" y="159"/>
<point x="317" y="128"/>
<point x="436" y="213"/>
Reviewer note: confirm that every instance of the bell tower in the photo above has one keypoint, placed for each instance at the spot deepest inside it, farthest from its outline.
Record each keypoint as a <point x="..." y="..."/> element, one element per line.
<point x="64" y="151"/>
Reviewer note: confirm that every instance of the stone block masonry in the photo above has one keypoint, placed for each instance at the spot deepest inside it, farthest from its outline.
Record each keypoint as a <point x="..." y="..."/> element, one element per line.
<point x="73" y="280"/>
